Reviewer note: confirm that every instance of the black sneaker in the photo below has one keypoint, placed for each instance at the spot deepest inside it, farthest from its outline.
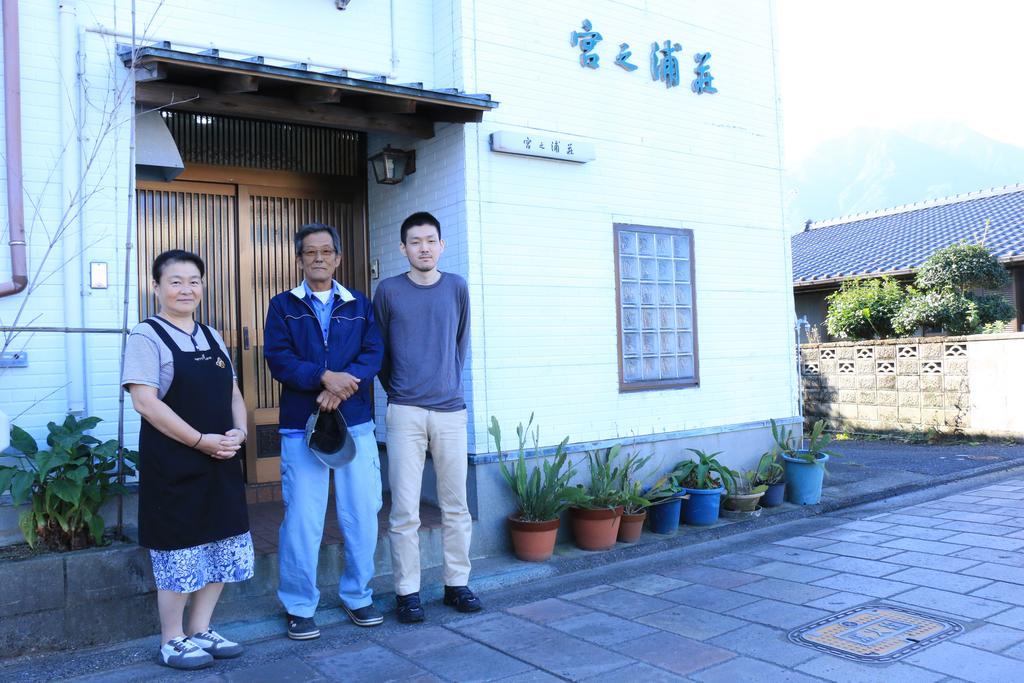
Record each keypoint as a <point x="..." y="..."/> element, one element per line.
<point x="364" y="616"/>
<point x="302" y="628"/>
<point x="462" y="599"/>
<point x="409" y="609"/>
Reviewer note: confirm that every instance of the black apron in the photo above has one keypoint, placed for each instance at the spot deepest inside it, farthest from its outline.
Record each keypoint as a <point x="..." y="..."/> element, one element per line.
<point x="187" y="498"/>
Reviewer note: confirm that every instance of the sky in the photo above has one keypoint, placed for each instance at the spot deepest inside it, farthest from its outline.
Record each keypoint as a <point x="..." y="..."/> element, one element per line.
<point x="892" y="64"/>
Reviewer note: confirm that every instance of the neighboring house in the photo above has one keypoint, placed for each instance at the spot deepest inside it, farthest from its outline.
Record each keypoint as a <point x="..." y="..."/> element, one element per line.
<point x="597" y="213"/>
<point x="896" y="241"/>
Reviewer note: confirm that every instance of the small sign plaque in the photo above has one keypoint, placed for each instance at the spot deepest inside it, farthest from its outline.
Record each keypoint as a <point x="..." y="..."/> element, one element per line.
<point x="544" y="145"/>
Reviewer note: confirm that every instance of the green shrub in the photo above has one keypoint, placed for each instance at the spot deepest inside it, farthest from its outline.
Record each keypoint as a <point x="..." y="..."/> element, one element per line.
<point x="961" y="267"/>
<point x="994" y="311"/>
<point x="945" y="309"/>
<point x="863" y="309"/>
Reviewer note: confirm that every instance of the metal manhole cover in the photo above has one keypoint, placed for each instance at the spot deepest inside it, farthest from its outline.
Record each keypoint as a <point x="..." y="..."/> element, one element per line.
<point x="875" y="633"/>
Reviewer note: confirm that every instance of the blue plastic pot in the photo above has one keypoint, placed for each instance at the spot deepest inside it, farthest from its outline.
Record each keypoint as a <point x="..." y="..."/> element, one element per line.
<point x="804" y="479"/>
<point x="774" y="496"/>
<point x="664" y="517"/>
<point x="702" y="507"/>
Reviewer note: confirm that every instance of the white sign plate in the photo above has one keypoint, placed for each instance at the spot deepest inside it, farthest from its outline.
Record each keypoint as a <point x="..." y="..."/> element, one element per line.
<point x="544" y="145"/>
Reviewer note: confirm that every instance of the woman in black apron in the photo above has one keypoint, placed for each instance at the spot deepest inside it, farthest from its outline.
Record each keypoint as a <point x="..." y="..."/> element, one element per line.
<point x="192" y="509"/>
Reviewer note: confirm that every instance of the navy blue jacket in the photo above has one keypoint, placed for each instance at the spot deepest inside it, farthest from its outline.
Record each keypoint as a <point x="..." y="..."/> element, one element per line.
<point x="293" y="344"/>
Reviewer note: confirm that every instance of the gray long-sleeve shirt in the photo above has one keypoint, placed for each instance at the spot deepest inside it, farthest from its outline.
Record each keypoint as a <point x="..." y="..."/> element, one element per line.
<point x="426" y="339"/>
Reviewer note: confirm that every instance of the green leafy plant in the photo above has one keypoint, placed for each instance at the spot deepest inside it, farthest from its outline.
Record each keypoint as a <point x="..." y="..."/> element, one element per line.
<point x="960" y="268"/>
<point x="543" y="492"/>
<point x="705" y="472"/>
<point x="610" y="485"/>
<point x="769" y="471"/>
<point x="863" y="309"/>
<point x="745" y="483"/>
<point x="785" y="442"/>
<point x="944" y="309"/>
<point x="817" y="442"/>
<point x="66" y="485"/>
<point x="631" y="487"/>
<point x="665" y="488"/>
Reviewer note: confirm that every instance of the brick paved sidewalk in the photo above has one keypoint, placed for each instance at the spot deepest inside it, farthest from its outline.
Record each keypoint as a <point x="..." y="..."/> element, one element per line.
<point x="718" y="614"/>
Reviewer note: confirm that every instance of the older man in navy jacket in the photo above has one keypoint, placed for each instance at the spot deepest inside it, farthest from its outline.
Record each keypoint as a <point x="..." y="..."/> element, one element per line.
<point x="323" y="346"/>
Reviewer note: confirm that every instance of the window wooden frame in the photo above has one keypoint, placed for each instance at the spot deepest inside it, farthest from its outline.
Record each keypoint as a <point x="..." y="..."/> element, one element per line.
<point x="661" y="384"/>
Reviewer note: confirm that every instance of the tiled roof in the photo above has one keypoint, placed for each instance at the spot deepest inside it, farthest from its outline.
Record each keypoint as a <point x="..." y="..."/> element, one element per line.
<point x="902" y="238"/>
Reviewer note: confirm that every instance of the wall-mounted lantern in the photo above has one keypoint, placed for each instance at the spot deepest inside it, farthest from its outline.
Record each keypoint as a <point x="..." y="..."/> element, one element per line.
<point x="391" y="165"/>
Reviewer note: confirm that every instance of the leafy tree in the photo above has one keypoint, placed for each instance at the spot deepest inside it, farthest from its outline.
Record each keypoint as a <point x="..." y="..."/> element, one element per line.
<point x="962" y="267"/>
<point x="946" y="309"/>
<point x="863" y="309"/>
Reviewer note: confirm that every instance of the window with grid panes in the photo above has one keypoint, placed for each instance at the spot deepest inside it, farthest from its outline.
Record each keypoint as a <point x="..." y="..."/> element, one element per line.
<point x="657" y="317"/>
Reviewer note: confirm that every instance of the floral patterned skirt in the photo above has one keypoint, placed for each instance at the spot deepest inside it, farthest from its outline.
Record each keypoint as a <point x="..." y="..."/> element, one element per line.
<point x="186" y="570"/>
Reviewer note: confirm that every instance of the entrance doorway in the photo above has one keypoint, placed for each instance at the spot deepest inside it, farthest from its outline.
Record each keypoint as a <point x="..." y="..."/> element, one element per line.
<point x="242" y="222"/>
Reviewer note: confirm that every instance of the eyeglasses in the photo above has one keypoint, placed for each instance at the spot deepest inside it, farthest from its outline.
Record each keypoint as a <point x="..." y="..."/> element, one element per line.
<point x="325" y="254"/>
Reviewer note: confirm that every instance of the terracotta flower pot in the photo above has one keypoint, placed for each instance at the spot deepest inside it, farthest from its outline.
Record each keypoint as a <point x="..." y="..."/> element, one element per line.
<point x="631" y="526"/>
<point x="595" y="529"/>
<point x="533" y="541"/>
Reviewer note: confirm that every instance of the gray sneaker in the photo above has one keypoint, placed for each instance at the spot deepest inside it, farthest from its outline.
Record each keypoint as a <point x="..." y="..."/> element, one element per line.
<point x="364" y="616"/>
<point x="182" y="653"/>
<point x="216" y="644"/>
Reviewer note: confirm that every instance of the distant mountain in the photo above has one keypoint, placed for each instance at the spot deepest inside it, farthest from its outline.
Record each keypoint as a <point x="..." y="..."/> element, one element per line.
<point x="872" y="169"/>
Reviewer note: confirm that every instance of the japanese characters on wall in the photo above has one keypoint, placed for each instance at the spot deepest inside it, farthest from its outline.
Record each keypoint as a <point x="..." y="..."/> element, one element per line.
<point x="546" y="145"/>
<point x="664" y="64"/>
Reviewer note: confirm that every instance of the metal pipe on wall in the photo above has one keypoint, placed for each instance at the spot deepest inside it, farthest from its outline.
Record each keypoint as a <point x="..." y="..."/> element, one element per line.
<point x="71" y="205"/>
<point x="12" y="139"/>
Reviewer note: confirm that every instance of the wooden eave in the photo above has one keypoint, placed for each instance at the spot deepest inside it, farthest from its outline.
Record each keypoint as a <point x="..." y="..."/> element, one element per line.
<point x="207" y="83"/>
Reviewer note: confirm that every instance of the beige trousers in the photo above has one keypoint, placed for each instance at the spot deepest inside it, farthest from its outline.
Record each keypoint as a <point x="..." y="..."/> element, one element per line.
<point x="411" y="431"/>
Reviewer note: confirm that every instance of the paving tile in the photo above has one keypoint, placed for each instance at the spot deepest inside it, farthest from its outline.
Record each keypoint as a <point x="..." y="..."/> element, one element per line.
<point x="867" y="585"/>
<point x="787" y="591"/>
<point x="837" y="602"/>
<point x="1014" y="618"/>
<point x="363" y="662"/>
<point x="737" y="561"/>
<point x="808" y="542"/>
<point x="855" y="565"/>
<point x="534" y="676"/>
<point x="997" y="572"/>
<point x="917" y="545"/>
<point x="650" y="584"/>
<point x="979" y="528"/>
<point x="766" y="643"/>
<point x="675" y="653"/>
<point x="996" y="493"/>
<point x="800" y="555"/>
<point x="991" y="637"/>
<point x="947" y="581"/>
<point x="601" y="628"/>
<point x="912" y="520"/>
<point x="1004" y="592"/>
<point x="414" y="642"/>
<point x="865" y="525"/>
<point x="776" y="613"/>
<point x="711" y="576"/>
<point x="983" y="517"/>
<point x="749" y="671"/>
<point x="635" y="672"/>
<point x="855" y="536"/>
<point x="924" y="533"/>
<point x="551" y="609"/>
<point x="1017" y="652"/>
<point x="572" y="658"/>
<point x="708" y="597"/>
<point x="992" y="555"/>
<point x="847" y="671"/>
<point x="471" y="662"/>
<point x="624" y="603"/>
<point x="505" y="632"/>
<point x="692" y="622"/>
<point x="790" y="571"/>
<point x="584" y="592"/>
<point x="952" y="603"/>
<point x="941" y="562"/>
<point x="865" y="552"/>
<point x="986" y="541"/>
<point x="967" y="663"/>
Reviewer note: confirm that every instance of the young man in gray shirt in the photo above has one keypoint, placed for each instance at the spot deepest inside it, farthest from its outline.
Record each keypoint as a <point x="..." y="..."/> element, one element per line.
<point x="424" y="318"/>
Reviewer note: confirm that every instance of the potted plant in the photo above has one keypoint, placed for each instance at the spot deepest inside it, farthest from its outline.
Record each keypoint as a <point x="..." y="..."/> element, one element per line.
<point x="597" y="511"/>
<point x="665" y="498"/>
<point x="744" y="493"/>
<point x="805" y="467"/>
<point x="541" y="494"/>
<point x="66" y="484"/>
<point x="771" y="474"/>
<point x="705" y="480"/>
<point x="634" y="505"/>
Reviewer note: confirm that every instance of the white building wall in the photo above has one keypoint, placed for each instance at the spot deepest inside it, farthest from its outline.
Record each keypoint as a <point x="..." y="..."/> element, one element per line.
<point x="542" y="263"/>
